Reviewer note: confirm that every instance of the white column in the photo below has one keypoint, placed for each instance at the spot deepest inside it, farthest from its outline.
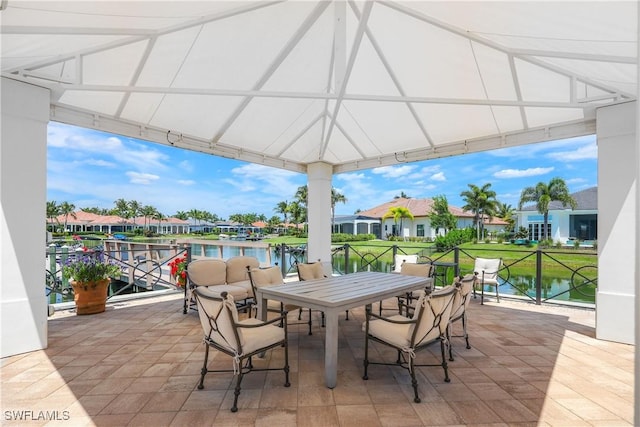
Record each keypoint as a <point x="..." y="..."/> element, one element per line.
<point x="617" y="221"/>
<point x="23" y="168"/>
<point x="319" y="177"/>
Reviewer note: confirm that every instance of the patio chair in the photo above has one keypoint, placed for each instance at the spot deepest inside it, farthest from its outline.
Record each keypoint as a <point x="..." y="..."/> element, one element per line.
<point x="310" y="271"/>
<point x="428" y="325"/>
<point x="398" y="261"/>
<point x="212" y="273"/>
<point x="459" y="309"/>
<point x="410" y="269"/>
<point x="486" y="273"/>
<point x="270" y="276"/>
<point x="240" y="339"/>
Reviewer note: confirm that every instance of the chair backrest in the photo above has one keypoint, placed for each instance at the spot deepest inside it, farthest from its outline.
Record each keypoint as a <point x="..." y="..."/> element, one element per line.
<point x="432" y="313"/>
<point x="486" y="269"/>
<point x="269" y="276"/>
<point x="399" y="259"/>
<point x="420" y="270"/>
<point x="218" y="316"/>
<point x="310" y="271"/>
<point x="207" y="272"/>
<point x="237" y="268"/>
<point x="461" y="298"/>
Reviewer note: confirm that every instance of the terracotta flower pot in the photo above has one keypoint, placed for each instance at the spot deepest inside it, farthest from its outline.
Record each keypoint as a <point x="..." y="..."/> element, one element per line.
<point x="90" y="297"/>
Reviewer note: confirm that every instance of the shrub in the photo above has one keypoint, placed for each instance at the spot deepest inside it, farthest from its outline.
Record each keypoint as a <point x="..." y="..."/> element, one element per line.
<point x="345" y="237"/>
<point x="522" y="233"/>
<point x="453" y="238"/>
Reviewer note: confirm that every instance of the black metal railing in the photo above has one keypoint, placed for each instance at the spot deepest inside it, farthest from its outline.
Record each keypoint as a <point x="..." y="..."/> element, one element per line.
<point x="142" y="269"/>
<point x="538" y="275"/>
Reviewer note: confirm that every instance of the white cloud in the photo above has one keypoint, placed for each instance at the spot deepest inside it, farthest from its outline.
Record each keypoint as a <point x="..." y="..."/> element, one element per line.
<point x="521" y="173"/>
<point x="438" y="176"/>
<point x="186" y="166"/>
<point x="186" y="182"/>
<point x="252" y="177"/>
<point x="100" y="163"/>
<point x="576" y="180"/>
<point x="141" y="178"/>
<point x="533" y="151"/>
<point x="393" y="171"/>
<point x="587" y="152"/>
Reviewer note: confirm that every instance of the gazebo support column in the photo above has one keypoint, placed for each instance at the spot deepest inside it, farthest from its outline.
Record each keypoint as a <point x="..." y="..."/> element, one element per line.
<point x="319" y="213"/>
<point x="617" y="222"/>
<point x="23" y="164"/>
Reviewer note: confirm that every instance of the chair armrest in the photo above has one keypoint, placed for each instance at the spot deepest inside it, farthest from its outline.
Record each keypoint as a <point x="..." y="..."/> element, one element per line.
<point x="267" y="322"/>
<point x="386" y="319"/>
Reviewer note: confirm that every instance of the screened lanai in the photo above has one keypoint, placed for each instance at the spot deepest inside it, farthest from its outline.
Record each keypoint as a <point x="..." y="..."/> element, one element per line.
<point x="321" y="87"/>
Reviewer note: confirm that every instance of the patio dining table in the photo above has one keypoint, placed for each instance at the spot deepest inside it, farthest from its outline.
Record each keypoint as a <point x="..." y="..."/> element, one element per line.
<point x="333" y="295"/>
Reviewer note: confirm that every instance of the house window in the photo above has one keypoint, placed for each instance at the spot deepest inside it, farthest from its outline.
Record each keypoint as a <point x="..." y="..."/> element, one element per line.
<point x="536" y="231"/>
<point x="420" y="230"/>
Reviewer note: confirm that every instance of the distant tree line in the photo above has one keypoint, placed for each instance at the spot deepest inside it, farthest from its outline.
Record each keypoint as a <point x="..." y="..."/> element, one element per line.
<point x="480" y="200"/>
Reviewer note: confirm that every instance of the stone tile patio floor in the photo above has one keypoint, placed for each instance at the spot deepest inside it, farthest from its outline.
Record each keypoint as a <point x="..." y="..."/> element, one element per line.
<point x="138" y="364"/>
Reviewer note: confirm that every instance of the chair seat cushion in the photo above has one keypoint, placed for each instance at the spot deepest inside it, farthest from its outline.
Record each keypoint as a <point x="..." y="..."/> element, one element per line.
<point x="487" y="281"/>
<point x="256" y="338"/>
<point x="273" y="305"/>
<point x="393" y="333"/>
<point x="246" y="285"/>
<point x="238" y="292"/>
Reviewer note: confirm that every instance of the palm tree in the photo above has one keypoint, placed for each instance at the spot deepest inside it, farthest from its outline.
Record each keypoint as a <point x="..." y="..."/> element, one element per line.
<point x="134" y="209"/>
<point x="196" y="215"/>
<point x="302" y="195"/>
<point x="297" y="213"/>
<point x="147" y="212"/>
<point x="398" y="213"/>
<point x="335" y="198"/>
<point x="482" y="202"/>
<point x="53" y="210"/>
<point x="181" y="215"/>
<point x="67" y="209"/>
<point x="159" y="216"/>
<point x="402" y="195"/>
<point x="273" y="222"/>
<point x="122" y="208"/>
<point x="543" y="194"/>
<point x="282" y="208"/>
<point x="506" y="212"/>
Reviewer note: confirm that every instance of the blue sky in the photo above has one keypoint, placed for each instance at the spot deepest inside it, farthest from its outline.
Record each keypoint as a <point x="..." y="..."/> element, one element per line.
<point x="93" y="169"/>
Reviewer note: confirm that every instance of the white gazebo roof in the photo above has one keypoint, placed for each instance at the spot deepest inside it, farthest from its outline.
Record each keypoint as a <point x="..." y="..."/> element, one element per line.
<point x="353" y="84"/>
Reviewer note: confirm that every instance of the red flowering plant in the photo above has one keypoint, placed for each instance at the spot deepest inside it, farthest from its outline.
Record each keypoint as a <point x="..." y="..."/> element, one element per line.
<point x="179" y="270"/>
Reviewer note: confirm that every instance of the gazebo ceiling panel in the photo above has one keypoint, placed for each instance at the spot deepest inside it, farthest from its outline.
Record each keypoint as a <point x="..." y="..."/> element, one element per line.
<point x="270" y="124"/>
<point x="307" y="68"/>
<point x="474" y="117"/>
<point x="235" y="52"/>
<point x="195" y="115"/>
<point x="427" y="60"/>
<point x="543" y="116"/>
<point x="348" y="83"/>
<point x="104" y="103"/>
<point x="498" y="79"/>
<point x="122" y="65"/>
<point x="166" y="58"/>
<point x="389" y="126"/>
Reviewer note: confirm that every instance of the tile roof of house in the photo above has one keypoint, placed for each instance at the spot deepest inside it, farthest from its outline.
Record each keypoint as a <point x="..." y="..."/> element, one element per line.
<point x="421" y="208"/>
<point x="82" y="217"/>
